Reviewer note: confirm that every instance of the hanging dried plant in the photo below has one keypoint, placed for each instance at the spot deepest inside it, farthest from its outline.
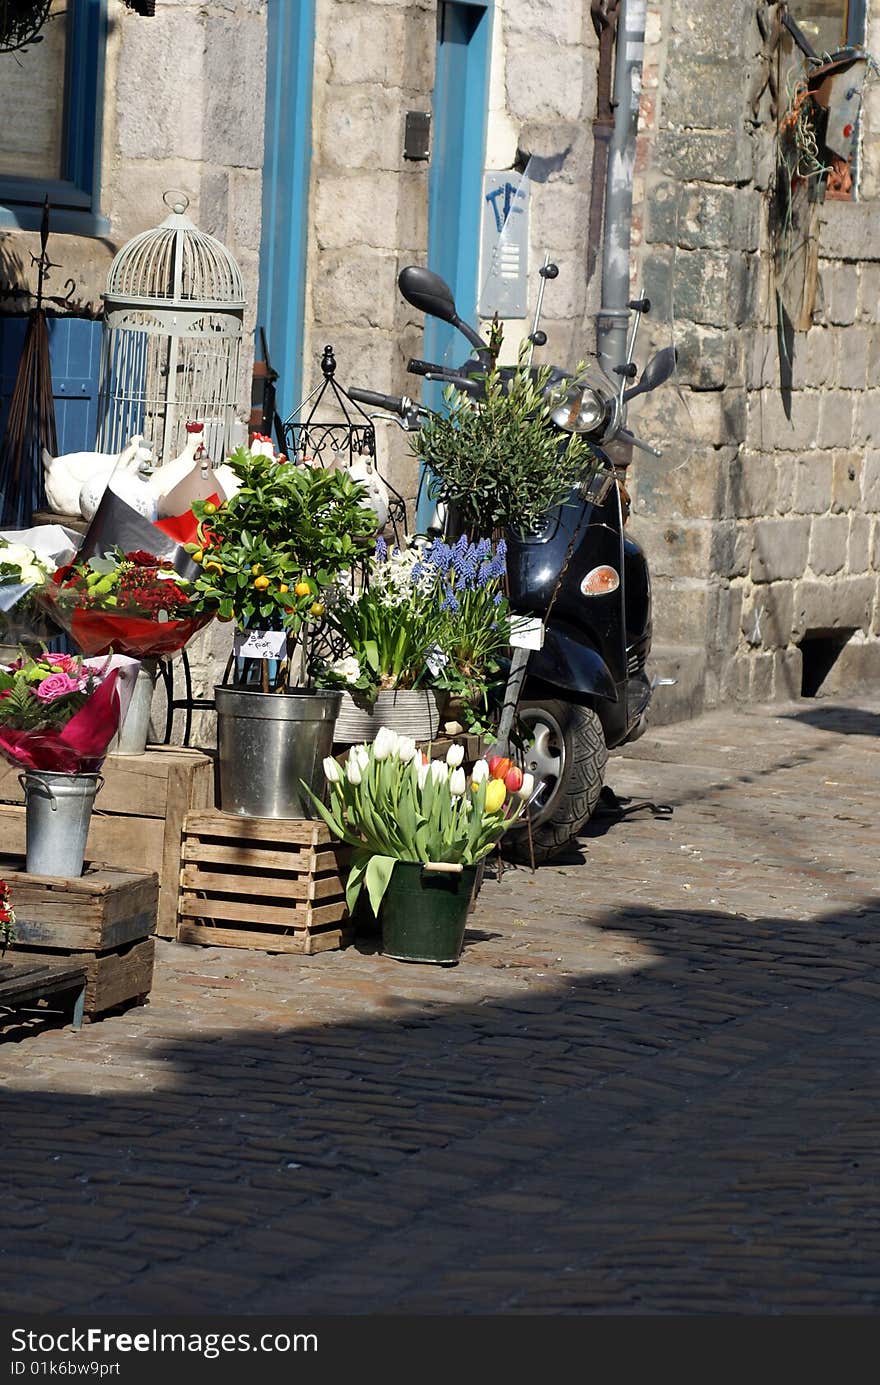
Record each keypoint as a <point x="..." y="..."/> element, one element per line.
<point x="21" y="22"/>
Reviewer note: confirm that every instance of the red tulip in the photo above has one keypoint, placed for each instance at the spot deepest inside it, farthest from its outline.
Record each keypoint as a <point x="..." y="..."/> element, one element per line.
<point x="513" y="779"/>
<point x="498" y="766"/>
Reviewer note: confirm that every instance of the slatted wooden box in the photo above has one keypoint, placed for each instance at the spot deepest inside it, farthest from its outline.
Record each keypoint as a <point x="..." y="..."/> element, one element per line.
<point x="277" y="884"/>
<point x="138" y="815"/>
<point x="104" y="920"/>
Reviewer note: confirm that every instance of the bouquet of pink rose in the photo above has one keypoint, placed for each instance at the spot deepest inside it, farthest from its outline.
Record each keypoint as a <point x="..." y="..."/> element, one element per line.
<point x="60" y="712"/>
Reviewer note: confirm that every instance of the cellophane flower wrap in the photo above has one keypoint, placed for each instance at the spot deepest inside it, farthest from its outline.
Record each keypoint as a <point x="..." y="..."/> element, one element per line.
<point x="28" y="558"/>
<point x="7" y="918"/>
<point x="60" y="712"/>
<point x="131" y="603"/>
<point x="391" y="804"/>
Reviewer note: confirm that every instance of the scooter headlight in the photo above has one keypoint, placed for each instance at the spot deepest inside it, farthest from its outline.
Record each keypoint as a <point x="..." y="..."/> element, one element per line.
<point x="580" y="411"/>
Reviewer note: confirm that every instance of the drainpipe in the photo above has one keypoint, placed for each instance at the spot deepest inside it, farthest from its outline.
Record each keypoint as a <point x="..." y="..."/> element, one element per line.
<point x="613" y="318"/>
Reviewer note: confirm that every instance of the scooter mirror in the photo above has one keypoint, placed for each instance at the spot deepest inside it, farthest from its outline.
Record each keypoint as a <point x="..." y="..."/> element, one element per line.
<point x="656" y="372"/>
<point x="427" y="292"/>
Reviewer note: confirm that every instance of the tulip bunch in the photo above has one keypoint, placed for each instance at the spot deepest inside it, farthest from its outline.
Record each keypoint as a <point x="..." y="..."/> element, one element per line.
<point x="392" y="804"/>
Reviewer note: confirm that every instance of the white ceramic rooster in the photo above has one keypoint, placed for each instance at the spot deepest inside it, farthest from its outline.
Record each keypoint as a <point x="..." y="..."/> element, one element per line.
<point x="129" y="479"/>
<point x="66" y="475"/>
<point x="170" y="474"/>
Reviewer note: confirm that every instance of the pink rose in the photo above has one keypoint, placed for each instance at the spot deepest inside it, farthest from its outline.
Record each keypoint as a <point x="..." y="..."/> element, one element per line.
<point x="58" y="685"/>
<point x="64" y="663"/>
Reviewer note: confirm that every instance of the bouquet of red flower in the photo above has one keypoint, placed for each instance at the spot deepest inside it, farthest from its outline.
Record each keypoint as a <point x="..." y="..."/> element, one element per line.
<point x="131" y="603"/>
<point x="60" y="712"/>
<point x="7" y="918"/>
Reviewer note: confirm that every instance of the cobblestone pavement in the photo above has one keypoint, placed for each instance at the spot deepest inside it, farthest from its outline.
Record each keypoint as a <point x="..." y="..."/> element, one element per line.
<point x="649" y="1087"/>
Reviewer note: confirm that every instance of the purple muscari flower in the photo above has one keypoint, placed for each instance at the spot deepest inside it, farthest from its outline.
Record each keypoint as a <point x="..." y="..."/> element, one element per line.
<point x="417" y="571"/>
<point x="483" y="549"/>
<point x="501" y="550"/>
<point x="499" y="597"/>
<point x="450" y="603"/>
<point x="381" y="550"/>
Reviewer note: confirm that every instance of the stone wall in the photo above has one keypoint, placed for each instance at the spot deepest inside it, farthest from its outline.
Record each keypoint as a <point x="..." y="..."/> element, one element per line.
<point x="762" y="520"/>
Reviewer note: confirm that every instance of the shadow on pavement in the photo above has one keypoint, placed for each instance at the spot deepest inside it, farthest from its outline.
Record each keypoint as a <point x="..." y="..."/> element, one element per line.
<point x="696" y="1135"/>
<point x="846" y="721"/>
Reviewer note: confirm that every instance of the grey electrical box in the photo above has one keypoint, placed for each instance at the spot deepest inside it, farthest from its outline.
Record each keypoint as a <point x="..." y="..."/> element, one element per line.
<point x="417" y="135"/>
<point x="504" y="246"/>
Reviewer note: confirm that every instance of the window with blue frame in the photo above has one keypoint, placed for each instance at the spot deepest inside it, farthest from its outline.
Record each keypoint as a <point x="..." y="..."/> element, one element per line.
<point x="50" y="122"/>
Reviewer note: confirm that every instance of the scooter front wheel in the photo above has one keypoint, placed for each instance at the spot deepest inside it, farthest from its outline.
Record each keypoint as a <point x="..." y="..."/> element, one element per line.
<point x="565" y="751"/>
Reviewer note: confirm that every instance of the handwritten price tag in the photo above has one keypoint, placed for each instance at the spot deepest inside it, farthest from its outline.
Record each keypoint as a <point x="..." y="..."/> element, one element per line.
<point x="260" y="644"/>
<point x="526" y="632"/>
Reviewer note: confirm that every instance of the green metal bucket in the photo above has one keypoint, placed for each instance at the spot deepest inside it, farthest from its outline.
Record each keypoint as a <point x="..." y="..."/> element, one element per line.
<point x="424" y="912"/>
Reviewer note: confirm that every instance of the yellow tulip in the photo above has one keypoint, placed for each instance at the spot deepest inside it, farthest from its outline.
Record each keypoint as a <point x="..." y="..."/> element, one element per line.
<point x="495" y="795"/>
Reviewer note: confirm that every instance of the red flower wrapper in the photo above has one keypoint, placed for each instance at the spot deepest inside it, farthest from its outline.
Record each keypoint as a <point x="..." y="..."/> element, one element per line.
<point x="79" y="745"/>
<point x="130" y="603"/>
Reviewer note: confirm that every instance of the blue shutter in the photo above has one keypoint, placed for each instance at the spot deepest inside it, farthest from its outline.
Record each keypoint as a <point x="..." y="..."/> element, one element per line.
<point x="75" y="356"/>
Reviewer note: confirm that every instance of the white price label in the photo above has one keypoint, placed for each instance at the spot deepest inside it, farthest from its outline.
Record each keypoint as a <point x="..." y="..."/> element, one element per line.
<point x="526" y="632"/>
<point x="260" y="644"/>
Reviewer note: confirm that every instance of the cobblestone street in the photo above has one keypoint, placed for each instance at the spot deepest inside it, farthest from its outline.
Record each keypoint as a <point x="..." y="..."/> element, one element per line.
<point x="650" y="1086"/>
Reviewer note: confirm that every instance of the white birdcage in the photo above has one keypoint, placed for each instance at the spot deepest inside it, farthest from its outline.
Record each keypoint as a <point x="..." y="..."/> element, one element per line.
<point x="171" y="351"/>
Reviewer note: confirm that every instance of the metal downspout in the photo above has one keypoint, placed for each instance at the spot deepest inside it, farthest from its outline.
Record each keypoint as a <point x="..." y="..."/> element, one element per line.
<point x="613" y="317"/>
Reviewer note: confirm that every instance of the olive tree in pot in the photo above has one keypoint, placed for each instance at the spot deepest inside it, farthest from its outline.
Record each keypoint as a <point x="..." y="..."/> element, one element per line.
<point x="268" y="558"/>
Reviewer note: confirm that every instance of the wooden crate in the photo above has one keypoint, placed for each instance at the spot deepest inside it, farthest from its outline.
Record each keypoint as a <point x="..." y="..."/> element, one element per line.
<point x="103" y="921"/>
<point x="271" y="883"/>
<point x="138" y="815"/>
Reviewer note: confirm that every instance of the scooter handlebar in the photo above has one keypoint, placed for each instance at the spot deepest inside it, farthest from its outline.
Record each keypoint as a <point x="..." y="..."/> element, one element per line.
<point x="465" y="383"/>
<point x="392" y="402"/>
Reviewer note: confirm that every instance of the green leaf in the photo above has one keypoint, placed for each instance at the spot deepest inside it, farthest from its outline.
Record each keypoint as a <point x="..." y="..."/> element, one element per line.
<point x="377" y="877"/>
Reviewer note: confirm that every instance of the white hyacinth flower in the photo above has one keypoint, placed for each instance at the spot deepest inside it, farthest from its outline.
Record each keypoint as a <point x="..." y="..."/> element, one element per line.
<point x="332" y="772"/>
<point x="480" y="771"/>
<point x="353" y="770"/>
<point x="455" y="755"/>
<point x="527" y="787"/>
<point x="457" y="783"/>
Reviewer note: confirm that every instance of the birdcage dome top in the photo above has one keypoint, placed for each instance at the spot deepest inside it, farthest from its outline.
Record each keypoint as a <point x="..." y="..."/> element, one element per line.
<point x="176" y="265"/>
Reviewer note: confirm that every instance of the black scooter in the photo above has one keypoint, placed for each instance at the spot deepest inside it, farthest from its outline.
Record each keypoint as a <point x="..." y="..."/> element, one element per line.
<point x="578" y="676"/>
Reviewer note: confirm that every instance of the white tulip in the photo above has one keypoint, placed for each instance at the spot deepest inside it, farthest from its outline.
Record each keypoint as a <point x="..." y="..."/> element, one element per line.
<point x="332" y="772"/>
<point x="457" y="783"/>
<point x="362" y="755"/>
<point x="406" y="749"/>
<point x="384" y="744"/>
<point x="480" y="772"/>
<point x="352" y="770"/>
<point x="423" y="771"/>
<point x="439" y="772"/>
<point x="455" y="755"/>
<point x="527" y="787"/>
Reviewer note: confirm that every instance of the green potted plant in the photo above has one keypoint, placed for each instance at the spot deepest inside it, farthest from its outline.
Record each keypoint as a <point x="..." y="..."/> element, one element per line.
<point x="431" y="622"/>
<point x="497" y="461"/>
<point x="419" y="831"/>
<point x="269" y="558"/>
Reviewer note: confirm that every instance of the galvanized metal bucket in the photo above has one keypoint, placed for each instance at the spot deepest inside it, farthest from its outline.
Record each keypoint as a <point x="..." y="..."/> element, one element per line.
<point x="267" y="743"/>
<point x="133" y="734"/>
<point x="58" y="810"/>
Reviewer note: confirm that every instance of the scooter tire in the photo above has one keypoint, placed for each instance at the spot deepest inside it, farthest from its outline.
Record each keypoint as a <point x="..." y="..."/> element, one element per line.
<point x="575" y="734"/>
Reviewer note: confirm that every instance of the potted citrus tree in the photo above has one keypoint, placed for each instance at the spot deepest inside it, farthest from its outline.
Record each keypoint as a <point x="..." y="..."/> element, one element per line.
<point x="420" y="831"/>
<point x="269" y="558"/>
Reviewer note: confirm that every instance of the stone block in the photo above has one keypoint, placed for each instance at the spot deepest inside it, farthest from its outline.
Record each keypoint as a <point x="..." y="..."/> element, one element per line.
<point x="170" y="123"/>
<point x="846" y="481"/>
<point x="850" y="230"/>
<point x="680" y="610"/>
<point x="235" y="84"/>
<point x="875" y="545"/>
<point x="852" y="358"/>
<point x="702" y="356"/>
<point x="709" y="156"/>
<point x="840" y="293"/>
<point x="772" y="429"/>
<point x="701" y="283"/>
<point x="836" y="418"/>
<point x="559" y="214"/>
<point x="787" y="674"/>
<point x="664" y="199"/>
<point x="866" y="426"/>
<point x="703" y="92"/>
<point x="842" y="604"/>
<point x="781" y="547"/>
<point x="734" y="679"/>
<point x="857" y="666"/>
<point x="767" y="616"/>
<point x="859" y="547"/>
<point x="245" y="221"/>
<point x="547" y="81"/>
<point x="682" y="484"/>
<point x="812" y="484"/>
<point x="355" y="289"/>
<point x="785" y="467"/>
<point x="762" y="360"/>
<point x="555" y="19"/>
<point x="657" y="281"/>
<point x="708" y="217"/>
<point x="360" y="127"/>
<point x="366" y="45"/>
<point x="731" y="549"/>
<point x="214" y="203"/>
<point x="753" y="485"/>
<point x="719" y="32"/>
<point x="356" y="208"/>
<point x="829" y="538"/>
<point x="723" y="617"/>
<point x="869" y="292"/>
<point x="676" y="548"/>
<point x="814" y="358"/>
<point x="761" y="678"/>
<point x="870" y="498"/>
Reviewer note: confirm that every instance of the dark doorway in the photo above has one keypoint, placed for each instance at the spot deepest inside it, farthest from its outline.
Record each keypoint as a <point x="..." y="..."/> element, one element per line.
<point x="820" y="650"/>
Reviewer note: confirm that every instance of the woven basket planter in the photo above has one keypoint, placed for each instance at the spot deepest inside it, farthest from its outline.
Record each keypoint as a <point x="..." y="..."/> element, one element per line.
<point x="408" y="711"/>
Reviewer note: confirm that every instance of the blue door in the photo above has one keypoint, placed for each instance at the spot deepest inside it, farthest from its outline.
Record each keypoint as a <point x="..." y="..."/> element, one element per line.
<point x="460" y="107"/>
<point x="75" y="358"/>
